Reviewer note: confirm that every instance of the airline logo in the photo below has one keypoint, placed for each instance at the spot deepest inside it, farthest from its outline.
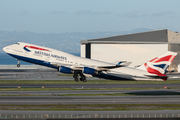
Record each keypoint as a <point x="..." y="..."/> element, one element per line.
<point x="26" y="48"/>
<point x="158" y="65"/>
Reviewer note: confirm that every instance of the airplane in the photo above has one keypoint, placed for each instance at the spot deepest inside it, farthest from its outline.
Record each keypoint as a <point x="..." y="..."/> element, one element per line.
<point x="153" y="70"/>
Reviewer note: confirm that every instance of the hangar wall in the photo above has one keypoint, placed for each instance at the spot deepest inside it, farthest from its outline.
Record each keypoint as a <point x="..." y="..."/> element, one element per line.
<point x="137" y="48"/>
<point x="175" y="48"/>
<point x="83" y="47"/>
<point x="174" y="45"/>
<point x="135" y="53"/>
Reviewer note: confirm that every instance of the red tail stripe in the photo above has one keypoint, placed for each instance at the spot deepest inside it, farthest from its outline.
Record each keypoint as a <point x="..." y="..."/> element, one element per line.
<point x="153" y="59"/>
<point x="153" y="71"/>
<point x="166" y="58"/>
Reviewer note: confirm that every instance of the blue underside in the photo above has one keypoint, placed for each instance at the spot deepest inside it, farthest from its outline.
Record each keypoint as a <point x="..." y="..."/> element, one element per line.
<point x="47" y="64"/>
<point x="35" y="61"/>
<point x="110" y="77"/>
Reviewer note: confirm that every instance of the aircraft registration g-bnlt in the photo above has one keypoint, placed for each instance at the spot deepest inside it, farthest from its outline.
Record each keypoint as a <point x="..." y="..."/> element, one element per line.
<point x="66" y="63"/>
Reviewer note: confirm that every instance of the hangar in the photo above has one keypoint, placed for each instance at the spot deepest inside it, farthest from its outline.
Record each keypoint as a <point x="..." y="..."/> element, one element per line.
<point x="137" y="48"/>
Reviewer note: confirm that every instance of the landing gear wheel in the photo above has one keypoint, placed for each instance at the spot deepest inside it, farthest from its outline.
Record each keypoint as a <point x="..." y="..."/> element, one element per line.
<point x="84" y="80"/>
<point x="76" y="79"/>
<point x="75" y="76"/>
<point x="81" y="79"/>
<point x="18" y="65"/>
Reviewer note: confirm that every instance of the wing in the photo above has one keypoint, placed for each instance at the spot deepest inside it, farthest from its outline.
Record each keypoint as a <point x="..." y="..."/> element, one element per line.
<point x="86" y="70"/>
<point x="72" y="66"/>
<point x="99" y="68"/>
<point x="125" y="64"/>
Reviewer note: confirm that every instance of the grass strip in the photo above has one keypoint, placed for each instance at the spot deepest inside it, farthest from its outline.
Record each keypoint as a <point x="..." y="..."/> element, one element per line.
<point x="53" y="89"/>
<point x="92" y="107"/>
<point x="88" y="82"/>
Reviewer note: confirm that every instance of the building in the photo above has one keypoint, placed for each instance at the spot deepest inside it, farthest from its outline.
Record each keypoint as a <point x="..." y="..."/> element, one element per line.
<point x="137" y="48"/>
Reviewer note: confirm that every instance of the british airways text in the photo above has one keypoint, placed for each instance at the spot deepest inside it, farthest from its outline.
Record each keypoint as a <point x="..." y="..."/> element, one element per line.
<point x="51" y="55"/>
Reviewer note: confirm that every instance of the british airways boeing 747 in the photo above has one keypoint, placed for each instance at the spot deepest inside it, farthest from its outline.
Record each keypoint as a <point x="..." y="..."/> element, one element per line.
<point x="83" y="67"/>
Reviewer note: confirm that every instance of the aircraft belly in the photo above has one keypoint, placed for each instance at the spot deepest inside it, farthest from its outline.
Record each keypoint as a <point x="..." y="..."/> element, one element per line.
<point x="33" y="60"/>
<point x="121" y="76"/>
<point x="113" y="76"/>
<point x="128" y="73"/>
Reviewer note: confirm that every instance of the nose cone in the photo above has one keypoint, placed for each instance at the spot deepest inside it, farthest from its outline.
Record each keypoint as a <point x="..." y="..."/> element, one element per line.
<point x="5" y="49"/>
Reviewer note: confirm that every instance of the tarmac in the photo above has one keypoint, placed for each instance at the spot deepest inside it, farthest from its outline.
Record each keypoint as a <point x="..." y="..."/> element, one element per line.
<point x="34" y="72"/>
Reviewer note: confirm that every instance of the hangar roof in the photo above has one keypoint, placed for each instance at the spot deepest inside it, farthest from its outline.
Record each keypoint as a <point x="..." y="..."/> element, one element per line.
<point x="151" y="37"/>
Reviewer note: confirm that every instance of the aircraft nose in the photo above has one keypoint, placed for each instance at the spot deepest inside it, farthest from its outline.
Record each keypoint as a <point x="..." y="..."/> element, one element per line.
<point x="5" y="49"/>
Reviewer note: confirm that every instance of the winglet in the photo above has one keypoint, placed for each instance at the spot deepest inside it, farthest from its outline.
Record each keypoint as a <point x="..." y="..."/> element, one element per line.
<point x="123" y="64"/>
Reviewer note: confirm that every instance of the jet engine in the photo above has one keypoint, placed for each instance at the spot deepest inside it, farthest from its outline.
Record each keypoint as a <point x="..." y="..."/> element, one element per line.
<point x="88" y="70"/>
<point x="64" y="69"/>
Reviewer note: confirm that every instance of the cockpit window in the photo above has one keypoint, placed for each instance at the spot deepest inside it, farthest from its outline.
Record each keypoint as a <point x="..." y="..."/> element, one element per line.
<point x="17" y="43"/>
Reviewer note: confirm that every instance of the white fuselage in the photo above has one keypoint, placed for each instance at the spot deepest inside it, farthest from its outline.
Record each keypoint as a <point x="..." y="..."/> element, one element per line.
<point x="49" y="55"/>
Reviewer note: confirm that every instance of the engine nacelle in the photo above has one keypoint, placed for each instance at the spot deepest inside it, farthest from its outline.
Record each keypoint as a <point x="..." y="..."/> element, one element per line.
<point x="88" y="70"/>
<point x="64" y="69"/>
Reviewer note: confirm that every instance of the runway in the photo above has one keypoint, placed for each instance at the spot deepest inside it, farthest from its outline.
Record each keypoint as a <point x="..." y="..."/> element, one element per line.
<point x="53" y="97"/>
<point x="103" y="86"/>
<point x="61" y="92"/>
<point x="163" y="99"/>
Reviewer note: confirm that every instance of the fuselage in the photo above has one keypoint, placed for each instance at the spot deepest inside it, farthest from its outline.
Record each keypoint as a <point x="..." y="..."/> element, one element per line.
<point x="45" y="56"/>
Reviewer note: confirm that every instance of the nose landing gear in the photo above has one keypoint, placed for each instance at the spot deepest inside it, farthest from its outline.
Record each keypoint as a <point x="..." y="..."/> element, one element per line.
<point x="18" y="64"/>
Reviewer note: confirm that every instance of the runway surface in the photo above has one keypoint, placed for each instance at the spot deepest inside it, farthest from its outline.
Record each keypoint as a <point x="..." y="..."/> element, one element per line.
<point x="61" y="92"/>
<point x="88" y="85"/>
<point x="163" y="99"/>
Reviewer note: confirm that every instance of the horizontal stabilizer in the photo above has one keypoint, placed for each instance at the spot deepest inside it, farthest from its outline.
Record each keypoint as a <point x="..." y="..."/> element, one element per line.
<point x="162" y="76"/>
<point x="125" y="64"/>
<point x="122" y="63"/>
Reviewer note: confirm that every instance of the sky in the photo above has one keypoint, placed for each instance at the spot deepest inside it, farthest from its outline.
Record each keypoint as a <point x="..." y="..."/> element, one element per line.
<point x="59" y="16"/>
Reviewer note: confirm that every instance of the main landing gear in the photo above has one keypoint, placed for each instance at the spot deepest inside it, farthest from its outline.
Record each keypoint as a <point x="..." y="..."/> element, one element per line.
<point x="75" y="76"/>
<point x="18" y="64"/>
<point x="82" y="77"/>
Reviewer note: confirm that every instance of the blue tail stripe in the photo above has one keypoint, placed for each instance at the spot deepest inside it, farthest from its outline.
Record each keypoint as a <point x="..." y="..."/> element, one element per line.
<point x="161" y="66"/>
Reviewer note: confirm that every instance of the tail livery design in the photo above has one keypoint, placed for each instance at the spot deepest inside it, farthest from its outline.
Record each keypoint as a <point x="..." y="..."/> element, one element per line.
<point x="159" y="65"/>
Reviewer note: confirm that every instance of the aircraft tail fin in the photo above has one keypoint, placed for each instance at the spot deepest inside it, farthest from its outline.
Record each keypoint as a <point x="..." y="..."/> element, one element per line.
<point x="159" y="65"/>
